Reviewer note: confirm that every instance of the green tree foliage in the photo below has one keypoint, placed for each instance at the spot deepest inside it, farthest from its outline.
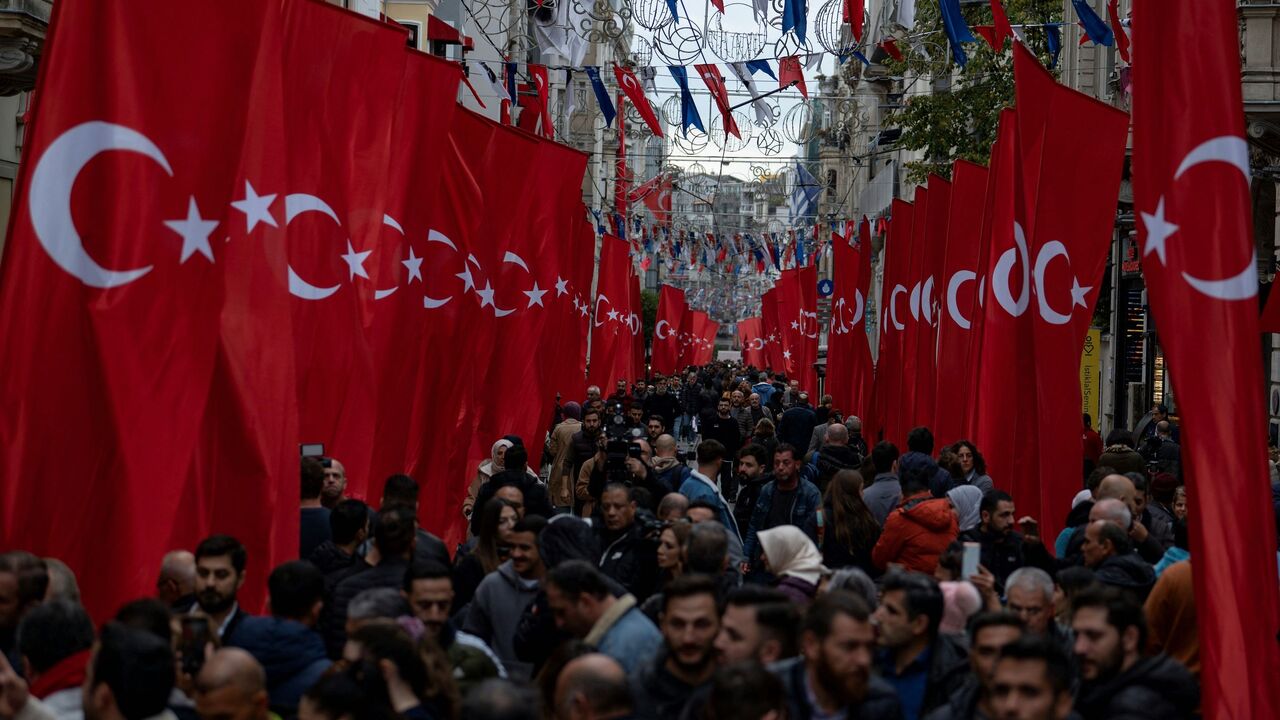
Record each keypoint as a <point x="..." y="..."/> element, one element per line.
<point x="959" y="118"/>
<point x="648" y="314"/>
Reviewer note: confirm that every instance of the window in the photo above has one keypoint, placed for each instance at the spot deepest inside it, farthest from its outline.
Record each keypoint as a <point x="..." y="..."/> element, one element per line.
<point x="415" y="33"/>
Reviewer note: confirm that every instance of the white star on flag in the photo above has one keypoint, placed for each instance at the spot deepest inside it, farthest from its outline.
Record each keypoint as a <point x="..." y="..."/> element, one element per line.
<point x="486" y="295"/>
<point x="256" y="208"/>
<point x="795" y="325"/>
<point x="468" y="282"/>
<point x="786" y="354"/>
<point x="355" y="261"/>
<point x="1079" y="292"/>
<point x="562" y="287"/>
<point x="195" y="232"/>
<point x="413" y="265"/>
<point x="613" y="315"/>
<point x="1158" y="230"/>
<point x="535" y="295"/>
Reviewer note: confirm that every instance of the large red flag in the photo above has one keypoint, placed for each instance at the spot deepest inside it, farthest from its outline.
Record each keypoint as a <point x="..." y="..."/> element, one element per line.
<point x="1191" y="178"/>
<point x="864" y="372"/>
<point x="912" y="279"/>
<point x="894" y="296"/>
<point x="775" y="343"/>
<point x="702" y="337"/>
<point x="933" y="255"/>
<point x="846" y="304"/>
<point x="614" y="324"/>
<point x="1079" y="181"/>
<point x="958" y="300"/>
<point x="628" y="83"/>
<point x="656" y="195"/>
<point x="665" y="357"/>
<point x="751" y="337"/>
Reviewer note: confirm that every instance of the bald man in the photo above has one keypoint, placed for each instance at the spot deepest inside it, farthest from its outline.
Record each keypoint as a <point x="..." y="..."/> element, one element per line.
<point x="667" y="467"/>
<point x="1119" y="487"/>
<point x="231" y="686"/>
<point x="673" y="507"/>
<point x="176" y="586"/>
<point x="593" y="687"/>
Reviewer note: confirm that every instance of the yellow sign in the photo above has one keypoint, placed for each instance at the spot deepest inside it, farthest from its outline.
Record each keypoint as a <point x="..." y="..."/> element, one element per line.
<point x="1091" y="374"/>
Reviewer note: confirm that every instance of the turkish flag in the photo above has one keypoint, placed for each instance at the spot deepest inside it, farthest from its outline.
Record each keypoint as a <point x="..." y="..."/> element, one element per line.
<point x="789" y="73"/>
<point x="1191" y="183"/>
<point x="715" y="83"/>
<point x="628" y="83"/>
<point x="656" y="195"/>
<point x="912" y="280"/>
<point x="775" y="339"/>
<point x="1005" y="138"/>
<point x="401" y="267"/>
<point x="957" y="287"/>
<point x="1003" y="29"/>
<point x="1079" y="180"/>
<point x="567" y="375"/>
<point x="751" y="337"/>
<point x="798" y="317"/>
<point x="614" y="323"/>
<point x="864" y="370"/>
<point x="539" y="75"/>
<point x="894" y="296"/>
<point x="849" y="370"/>
<point x="933" y="254"/>
<point x="666" y="332"/>
<point x="702" y="341"/>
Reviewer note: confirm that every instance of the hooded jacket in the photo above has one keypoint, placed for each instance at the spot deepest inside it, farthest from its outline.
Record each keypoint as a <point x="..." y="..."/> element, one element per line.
<point x="700" y="487"/>
<point x="916" y="533"/>
<point x="831" y="459"/>
<point x="880" y="703"/>
<point x="940" y="481"/>
<point x="1128" y="572"/>
<point x="669" y="473"/>
<point x="1159" y="688"/>
<point x="292" y="654"/>
<point x="495" y="613"/>
<point x="565" y="538"/>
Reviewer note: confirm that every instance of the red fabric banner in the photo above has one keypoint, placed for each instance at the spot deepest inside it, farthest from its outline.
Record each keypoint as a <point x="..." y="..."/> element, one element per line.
<point x="665" y="353"/>
<point x="957" y="288"/>
<point x="702" y="340"/>
<point x="846" y="308"/>
<point x="715" y="83"/>
<point x="933" y="255"/>
<point x="894" y="301"/>
<point x="539" y="75"/>
<point x="628" y="83"/>
<point x="614" y="325"/>
<point x="751" y="337"/>
<point x="854" y="13"/>
<point x="775" y="343"/>
<point x="789" y="73"/>
<point x="1191" y="183"/>
<point x="913" y="280"/>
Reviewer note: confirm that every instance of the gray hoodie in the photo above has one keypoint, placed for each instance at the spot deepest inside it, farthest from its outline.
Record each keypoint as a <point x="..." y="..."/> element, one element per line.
<point x="495" y="612"/>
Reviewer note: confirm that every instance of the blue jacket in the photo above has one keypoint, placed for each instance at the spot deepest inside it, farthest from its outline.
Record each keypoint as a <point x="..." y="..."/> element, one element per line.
<point x="804" y="513"/>
<point x="291" y="653"/>
<point x="633" y="640"/>
<point x="940" y="480"/>
<point x="697" y="487"/>
<point x="764" y="390"/>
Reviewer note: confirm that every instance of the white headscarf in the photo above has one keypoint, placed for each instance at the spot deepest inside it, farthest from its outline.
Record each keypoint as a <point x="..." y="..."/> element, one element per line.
<point x="967" y="501"/>
<point x="493" y="456"/>
<point x="791" y="552"/>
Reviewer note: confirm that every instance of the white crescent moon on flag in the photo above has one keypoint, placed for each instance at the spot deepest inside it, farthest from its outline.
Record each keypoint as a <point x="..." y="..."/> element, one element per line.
<point x="953" y="286"/>
<point x="760" y="346"/>
<point x="295" y="205"/>
<point x="435" y="236"/>
<point x="1047" y="253"/>
<point x="512" y="259"/>
<point x="1234" y="151"/>
<point x="390" y="222"/>
<point x="49" y="201"/>
<point x="657" y="330"/>
<point x="1000" y="277"/>
<point x="926" y="300"/>
<point x="862" y="306"/>
<point x="915" y="301"/>
<point x="596" y="320"/>
<point x="893" y="306"/>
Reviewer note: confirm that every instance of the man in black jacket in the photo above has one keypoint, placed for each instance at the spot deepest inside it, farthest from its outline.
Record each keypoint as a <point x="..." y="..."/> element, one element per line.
<point x="628" y="556"/>
<point x="684" y="665"/>
<point x="833" y="675"/>
<point x="1118" y="681"/>
<point x="923" y="665"/>
<point x="393" y="548"/>
<point x="989" y="634"/>
<point x="1002" y="551"/>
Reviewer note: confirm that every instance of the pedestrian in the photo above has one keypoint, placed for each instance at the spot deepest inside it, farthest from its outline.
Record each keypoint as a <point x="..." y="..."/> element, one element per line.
<point x="789" y="555"/>
<point x="917" y="532"/>
<point x="849" y="530"/>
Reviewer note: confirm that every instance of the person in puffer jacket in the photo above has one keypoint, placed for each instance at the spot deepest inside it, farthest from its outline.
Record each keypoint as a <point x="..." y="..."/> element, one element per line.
<point x="918" y="530"/>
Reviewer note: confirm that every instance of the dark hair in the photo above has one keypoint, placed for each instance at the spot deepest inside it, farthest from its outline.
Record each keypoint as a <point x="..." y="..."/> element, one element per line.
<point x="915" y="480"/>
<point x="395" y="532"/>
<point x="1088" y="420"/>
<point x="777" y="617"/>
<point x="979" y="462"/>
<point x="147" y="614"/>
<point x="338" y="695"/>
<point x="786" y="447"/>
<point x="920" y="440"/>
<point x="220" y="546"/>
<point x="530" y="524"/>
<point x="1000" y="618"/>
<point x="387" y="641"/>
<point x="52" y="632"/>
<point x="755" y="450"/>
<point x="688" y="586"/>
<point x="32" y="574"/>
<point x="630" y="490"/>
<point x="745" y="691"/>
<point x="138" y="668"/>
<point x="400" y="489"/>
<point x="884" y="455"/>
<point x="295" y="587"/>
<point x="486" y="549"/>
<point x="1123" y="611"/>
<point x="710" y="451"/>
<point x="754" y="596"/>
<point x="659" y="420"/>
<point x="1095" y="478"/>
<point x="827" y="606"/>
<point x="576" y="577"/>
<point x="851" y="519"/>
<point x="1120" y="436"/>
<point x="496" y="699"/>
<point x="706" y="548"/>
<point x="1074" y="579"/>
<point x="426" y="570"/>
<point x="347" y="519"/>
<point x="951" y="559"/>
<point x="991" y="499"/>
<point x="312" y="478"/>
<point x="1180" y="537"/>
<point x="1057" y="668"/>
<point x="1139" y="481"/>
<point x="922" y="595"/>
<point x="516" y="459"/>
<point x="1162" y="408"/>
<point x="1118" y="538"/>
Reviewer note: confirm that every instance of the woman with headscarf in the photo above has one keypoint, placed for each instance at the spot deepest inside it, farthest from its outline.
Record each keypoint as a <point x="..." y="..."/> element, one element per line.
<point x="967" y="502"/>
<point x="487" y="470"/>
<point x="792" y="557"/>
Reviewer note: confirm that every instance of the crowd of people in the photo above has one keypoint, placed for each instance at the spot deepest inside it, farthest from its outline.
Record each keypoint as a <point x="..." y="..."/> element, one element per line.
<point x="712" y="545"/>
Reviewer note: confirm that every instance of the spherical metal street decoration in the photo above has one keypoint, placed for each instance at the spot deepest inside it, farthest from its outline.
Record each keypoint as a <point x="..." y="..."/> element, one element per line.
<point x="678" y="44"/>
<point x="833" y="34"/>
<point x="735" y="44"/>
<point x="651" y="14"/>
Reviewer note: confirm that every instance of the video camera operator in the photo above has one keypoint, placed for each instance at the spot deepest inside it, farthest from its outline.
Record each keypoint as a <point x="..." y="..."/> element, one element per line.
<point x="622" y="456"/>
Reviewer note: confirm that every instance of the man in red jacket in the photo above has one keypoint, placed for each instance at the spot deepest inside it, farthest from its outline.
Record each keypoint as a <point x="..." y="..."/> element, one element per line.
<point x="918" y="530"/>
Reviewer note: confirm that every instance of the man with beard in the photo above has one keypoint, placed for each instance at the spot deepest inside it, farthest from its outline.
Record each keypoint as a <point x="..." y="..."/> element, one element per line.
<point x="926" y="667"/>
<point x="335" y="482"/>
<point x="687" y="660"/>
<point x="759" y="624"/>
<point x="833" y="678"/>
<point x="753" y="463"/>
<point x="1030" y="682"/>
<point x="724" y="428"/>
<point x="220" y="561"/>
<point x="1108" y="553"/>
<point x="428" y="587"/>
<point x="1002" y="546"/>
<point x="989" y="634"/>
<point x="504" y="594"/>
<point x="1118" y="681"/>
